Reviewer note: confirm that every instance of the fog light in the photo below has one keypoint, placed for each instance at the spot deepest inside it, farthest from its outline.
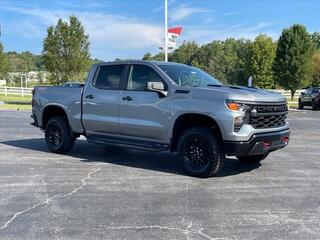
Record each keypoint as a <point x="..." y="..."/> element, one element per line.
<point x="238" y="122"/>
<point x="285" y="140"/>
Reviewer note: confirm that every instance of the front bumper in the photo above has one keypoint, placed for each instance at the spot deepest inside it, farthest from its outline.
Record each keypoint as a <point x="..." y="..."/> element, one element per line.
<point x="259" y="143"/>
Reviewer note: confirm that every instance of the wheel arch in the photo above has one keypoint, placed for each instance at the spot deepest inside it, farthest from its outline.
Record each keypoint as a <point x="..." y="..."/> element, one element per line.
<point x="189" y="120"/>
<point x="50" y="111"/>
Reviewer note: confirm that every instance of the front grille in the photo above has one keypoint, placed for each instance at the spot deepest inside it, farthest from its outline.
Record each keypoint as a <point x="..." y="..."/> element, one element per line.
<point x="268" y="116"/>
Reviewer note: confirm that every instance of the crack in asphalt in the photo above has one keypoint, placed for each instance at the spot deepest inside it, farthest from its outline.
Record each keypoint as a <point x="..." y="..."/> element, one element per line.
<point x="267" y="217"/>
<point x="185" y="231"/>
<point x="49" y="200"/>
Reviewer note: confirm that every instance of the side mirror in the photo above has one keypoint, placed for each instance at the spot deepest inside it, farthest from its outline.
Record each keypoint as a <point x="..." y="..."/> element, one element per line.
<point x="157" y="87"/>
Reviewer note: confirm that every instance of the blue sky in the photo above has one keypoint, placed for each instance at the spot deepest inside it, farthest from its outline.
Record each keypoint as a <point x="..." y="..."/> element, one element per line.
<point x="130" y="28"/>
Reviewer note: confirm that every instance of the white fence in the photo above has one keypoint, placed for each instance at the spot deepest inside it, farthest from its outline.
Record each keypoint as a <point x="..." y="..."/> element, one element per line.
<point x="16" y="91"/>
<point x="28" y="91"/>
<point x="287" y="94"/>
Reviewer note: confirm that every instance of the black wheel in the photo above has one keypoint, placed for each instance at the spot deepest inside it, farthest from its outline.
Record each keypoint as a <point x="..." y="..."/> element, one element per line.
<point x="300" y="105"/>
<point x="314" y="105"/>
<point x="253" y="158"/>
<point x="201" y="153"/>
<point x="58" y="135"/>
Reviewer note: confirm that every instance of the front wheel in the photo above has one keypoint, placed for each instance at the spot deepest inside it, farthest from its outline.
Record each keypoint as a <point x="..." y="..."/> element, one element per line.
<point x="58" y="135"/>
<point x="253" y="158"/>
<point x="300" y="105"/>
<point x="201" y="153"/>
<point x="314" y="105"/>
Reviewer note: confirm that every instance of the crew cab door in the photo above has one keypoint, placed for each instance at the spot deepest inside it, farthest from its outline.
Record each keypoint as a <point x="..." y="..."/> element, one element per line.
<point x="101" y="99"/>
<point x="143" y="113"/>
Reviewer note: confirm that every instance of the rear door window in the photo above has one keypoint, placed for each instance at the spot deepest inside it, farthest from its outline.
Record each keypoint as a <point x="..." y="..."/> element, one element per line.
<point x="109" y="77"/>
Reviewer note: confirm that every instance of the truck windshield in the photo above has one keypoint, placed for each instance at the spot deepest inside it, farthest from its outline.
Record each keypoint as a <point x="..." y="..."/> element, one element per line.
<point x="189" y="76"/>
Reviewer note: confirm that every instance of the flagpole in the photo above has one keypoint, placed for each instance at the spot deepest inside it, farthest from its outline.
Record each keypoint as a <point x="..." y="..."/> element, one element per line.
<point x="166" y="30"/>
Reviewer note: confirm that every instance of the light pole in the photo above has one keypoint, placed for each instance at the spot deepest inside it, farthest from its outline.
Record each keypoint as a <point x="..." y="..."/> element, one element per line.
<point x="166" y="30"/>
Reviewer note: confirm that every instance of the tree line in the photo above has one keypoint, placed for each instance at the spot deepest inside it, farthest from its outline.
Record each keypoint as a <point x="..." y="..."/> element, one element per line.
<point x="291" y="62"/>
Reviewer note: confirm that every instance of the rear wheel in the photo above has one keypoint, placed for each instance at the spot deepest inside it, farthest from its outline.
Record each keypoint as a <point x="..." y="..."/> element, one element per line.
<point x="300" y="105"/>
<point x="253" y="158"/>
<point x="314" y="105"/>
<point x="201" y="153"/>
<point x="58" y="135"/>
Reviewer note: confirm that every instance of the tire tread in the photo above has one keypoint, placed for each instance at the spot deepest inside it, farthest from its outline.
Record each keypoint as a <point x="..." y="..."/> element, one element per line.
<point x="213" y="168"/>
<point x="67" y="138"/>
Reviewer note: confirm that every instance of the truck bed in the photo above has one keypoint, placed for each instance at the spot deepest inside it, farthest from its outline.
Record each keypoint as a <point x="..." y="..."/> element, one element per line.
<point x="68" y="98"/>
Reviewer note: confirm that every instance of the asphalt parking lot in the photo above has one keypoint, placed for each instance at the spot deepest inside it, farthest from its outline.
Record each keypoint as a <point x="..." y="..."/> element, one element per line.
<point x="98" y="192"/>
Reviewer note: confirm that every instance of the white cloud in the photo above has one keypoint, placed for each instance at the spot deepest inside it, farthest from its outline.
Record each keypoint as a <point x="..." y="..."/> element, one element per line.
<point x="184" y="11"/>
<point x="113" y="36"/>
<point x="107" y="32"/>
<point x="208" y="33"/>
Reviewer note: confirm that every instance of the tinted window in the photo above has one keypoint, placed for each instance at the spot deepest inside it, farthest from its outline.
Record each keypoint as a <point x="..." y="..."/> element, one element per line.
<point x="140" y="75"/>
<point x="109" y="77"/>
<point x="315" y="90"/>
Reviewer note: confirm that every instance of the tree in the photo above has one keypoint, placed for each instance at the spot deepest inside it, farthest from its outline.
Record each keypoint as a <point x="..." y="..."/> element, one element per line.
<point x="147" y="57"/>
<point x="293" y="54"/>
<point x="315" y="69"/>
<point x="185" y="53"/>
<point x="41" y="77"/>
<point x="4" y="66"/>
<point x="262" y="54"/>
<point x="226" y="60"/>
<point x="316" y="39"/>
<point x="243" y="62"/>
<point x="158" y="57"/>
<point x="66" y="51"/>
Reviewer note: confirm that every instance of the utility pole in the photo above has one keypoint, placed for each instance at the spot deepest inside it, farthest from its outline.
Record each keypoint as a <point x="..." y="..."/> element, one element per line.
<point x="166" y="30"/>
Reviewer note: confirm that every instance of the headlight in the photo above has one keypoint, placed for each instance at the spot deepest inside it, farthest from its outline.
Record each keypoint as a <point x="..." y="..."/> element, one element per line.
<point x="242" y="108"/>
<point x="235" y="106"/>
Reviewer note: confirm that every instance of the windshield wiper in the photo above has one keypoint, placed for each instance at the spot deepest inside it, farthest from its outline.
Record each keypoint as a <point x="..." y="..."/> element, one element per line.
<point x="214" y="85"/>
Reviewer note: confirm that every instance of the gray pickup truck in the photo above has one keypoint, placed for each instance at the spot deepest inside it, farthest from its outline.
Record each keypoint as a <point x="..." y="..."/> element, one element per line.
<point x="160" y="106"/>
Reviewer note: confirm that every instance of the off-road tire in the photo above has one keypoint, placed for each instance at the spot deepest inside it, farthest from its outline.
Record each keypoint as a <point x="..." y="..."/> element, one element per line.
<point x="64" y="141"/>
<point x="314" y="105"/>
<point x="210" y="152"/>
<point x="300" y="105"/>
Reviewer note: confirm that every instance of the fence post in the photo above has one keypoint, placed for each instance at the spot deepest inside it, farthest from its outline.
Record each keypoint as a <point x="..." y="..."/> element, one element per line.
<point x="5" y="90"/>
<point x="22" y="93"/>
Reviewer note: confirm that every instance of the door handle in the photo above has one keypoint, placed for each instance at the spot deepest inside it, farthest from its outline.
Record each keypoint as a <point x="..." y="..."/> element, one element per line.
<point x="127" y="98"/>
<point x="90" y="96"/>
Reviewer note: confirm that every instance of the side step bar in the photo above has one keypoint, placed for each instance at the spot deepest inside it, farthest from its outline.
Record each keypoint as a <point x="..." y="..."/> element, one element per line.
<point x="126" y="142"/>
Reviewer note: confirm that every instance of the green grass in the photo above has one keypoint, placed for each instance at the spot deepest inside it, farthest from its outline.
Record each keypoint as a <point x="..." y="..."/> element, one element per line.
<point x="12" y="102"/>
<point x="293" y="104"/>
<point x="16" y="107"/>
<point x="14" y="98"/>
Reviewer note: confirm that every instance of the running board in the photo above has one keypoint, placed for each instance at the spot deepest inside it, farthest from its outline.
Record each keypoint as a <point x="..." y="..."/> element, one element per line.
<point x="126" y="142"/>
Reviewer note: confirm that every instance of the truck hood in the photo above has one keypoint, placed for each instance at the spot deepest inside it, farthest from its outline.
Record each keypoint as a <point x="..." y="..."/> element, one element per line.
<point x="247" y="94"/>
